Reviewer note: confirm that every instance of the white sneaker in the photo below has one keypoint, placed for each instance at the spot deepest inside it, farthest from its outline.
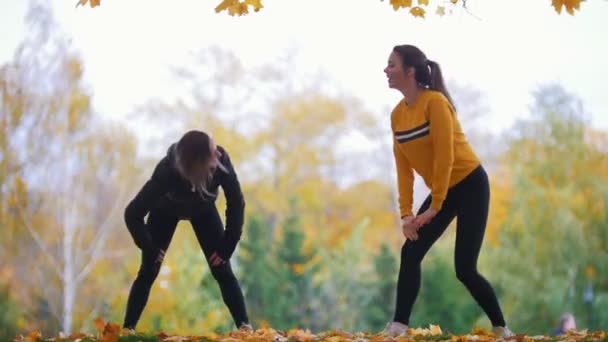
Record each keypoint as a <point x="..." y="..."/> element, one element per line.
<point x="245" y="327"/>
<point x="502" y="332"/>
<point x="395" y="329"/>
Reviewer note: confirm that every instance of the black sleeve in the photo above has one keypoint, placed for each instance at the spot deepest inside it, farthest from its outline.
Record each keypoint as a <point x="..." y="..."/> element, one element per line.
<point x="235" y="207"/>
<point x="139" y="207"/>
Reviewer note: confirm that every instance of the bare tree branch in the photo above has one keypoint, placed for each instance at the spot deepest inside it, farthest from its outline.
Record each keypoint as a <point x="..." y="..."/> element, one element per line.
<point x="100" y="241"/>
<point x="43" y="247"/>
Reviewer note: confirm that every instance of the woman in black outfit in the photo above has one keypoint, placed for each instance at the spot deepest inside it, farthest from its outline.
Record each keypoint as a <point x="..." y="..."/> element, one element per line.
<point x="184" y="186"/>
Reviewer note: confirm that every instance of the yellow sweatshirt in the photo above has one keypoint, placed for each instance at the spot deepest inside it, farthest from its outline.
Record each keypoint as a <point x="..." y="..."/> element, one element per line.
<point x="428" y="139"/>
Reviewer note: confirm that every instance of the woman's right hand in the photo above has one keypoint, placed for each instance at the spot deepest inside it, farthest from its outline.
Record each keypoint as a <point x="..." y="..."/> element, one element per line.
<point x="410" y="230"/>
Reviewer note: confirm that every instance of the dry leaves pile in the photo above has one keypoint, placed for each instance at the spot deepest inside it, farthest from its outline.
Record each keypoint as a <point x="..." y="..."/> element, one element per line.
<point x="108" y="332"/>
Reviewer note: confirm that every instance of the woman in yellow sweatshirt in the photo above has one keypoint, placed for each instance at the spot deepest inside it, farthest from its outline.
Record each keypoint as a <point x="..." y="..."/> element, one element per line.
<point x="428" y="140"/>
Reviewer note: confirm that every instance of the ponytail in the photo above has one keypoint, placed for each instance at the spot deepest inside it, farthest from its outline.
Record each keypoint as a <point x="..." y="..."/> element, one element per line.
<point x="428" y="73"/>
<point x="436" y="80"/>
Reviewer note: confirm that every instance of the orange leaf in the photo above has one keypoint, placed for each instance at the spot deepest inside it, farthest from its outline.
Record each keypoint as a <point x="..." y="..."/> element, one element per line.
<point x="111" y="333"/>
<point x="558" y="4"/>
<point x="480" y="331"/>
<point x="77" y="336"/>
<point x="300" y="335"/>
<point x="95" y="3"/>
<point x="418" y="11"/>
<point x="33" y="336"/>
<point x="572" y="5"/>
<point x="99" y="325"/>
<point x="113" y="328"/>
<point x="590" y="272"/>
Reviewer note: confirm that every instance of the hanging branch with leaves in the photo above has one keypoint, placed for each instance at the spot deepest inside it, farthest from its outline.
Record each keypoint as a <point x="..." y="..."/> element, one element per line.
<point x="419" y="9"/>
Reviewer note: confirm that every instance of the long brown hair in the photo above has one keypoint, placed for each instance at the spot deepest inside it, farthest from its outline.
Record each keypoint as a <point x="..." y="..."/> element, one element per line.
<point x="427" y="72"/>
<point x="192" y="151"/>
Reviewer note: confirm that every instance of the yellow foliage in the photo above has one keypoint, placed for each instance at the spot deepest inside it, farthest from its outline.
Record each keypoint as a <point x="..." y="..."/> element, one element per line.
<point x="432" y="330"/>
<point x="590" y="272"/>
<point x="499" y="206"/>
<point x="397" y="4"/>
<point x="238" y="8"/>
<point x="241" y="7"/>
<point x="570" y="5"/>
<point x="93" y="3"/>
<point x="298" y="268"/>
<point x="418" y="12"/>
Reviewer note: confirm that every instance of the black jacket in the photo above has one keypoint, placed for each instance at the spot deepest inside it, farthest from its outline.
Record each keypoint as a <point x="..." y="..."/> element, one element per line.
<point x="167" y="190"/>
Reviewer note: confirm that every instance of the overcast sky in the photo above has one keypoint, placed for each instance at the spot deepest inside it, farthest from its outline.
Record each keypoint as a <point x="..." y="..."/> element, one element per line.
<point x="506" y="49"/>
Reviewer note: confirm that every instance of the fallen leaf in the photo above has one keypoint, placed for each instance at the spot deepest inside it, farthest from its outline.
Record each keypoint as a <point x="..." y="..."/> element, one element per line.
<point x="435" y="330"/>
<point x="99" y="325"/>
<point x="33" y="336"/>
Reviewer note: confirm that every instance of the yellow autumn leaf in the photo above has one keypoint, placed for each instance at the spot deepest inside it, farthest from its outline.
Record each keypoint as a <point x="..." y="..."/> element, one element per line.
<point x="423" y="2"/>
<point x="239" y="9"/>
<point x="33" y="336"/>
<point x="224" y="5"/>
<point x="418" y="11"/>
<point x="480" y="332"/>
<point x="435" y="330"/>
<point x="401" y="3"/>
<point x="300" y="335"/>
<point x="440" y="11"/>
<point x="256" y="4"/>
<point x="454" y="1"/>
<point x="416" y="332"/>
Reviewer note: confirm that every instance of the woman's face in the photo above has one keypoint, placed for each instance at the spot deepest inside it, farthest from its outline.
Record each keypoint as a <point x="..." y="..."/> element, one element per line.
<point x="214" y="156"/>
<point x="205" y="168"/>
<point x="397" y="76"/>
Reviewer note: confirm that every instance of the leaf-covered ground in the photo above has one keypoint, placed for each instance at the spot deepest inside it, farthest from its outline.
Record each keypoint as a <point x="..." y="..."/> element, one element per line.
<point x="108" y="332"/>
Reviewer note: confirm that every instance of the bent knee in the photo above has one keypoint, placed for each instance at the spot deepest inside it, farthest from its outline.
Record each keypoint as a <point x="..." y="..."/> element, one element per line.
<point x="222" y="273"/>
<point x="410" y="255"/>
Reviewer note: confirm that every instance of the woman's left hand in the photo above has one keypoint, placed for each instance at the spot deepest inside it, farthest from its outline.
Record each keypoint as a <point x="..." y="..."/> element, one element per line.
<point x="216" y="260"/>
<point x="425" y="217"/>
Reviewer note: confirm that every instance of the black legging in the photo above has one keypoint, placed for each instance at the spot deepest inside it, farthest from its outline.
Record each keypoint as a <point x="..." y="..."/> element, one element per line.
<point x="469" y="201"/>
<point x="209" y="230"/>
